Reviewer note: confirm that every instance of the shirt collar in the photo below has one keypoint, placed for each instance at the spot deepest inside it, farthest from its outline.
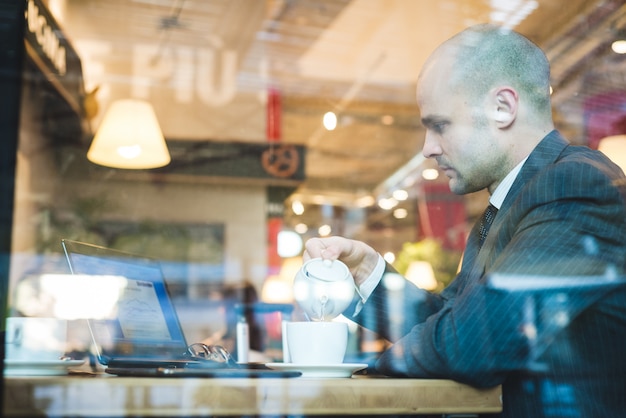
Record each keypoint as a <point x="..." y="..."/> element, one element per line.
<point x="498" y="195"/>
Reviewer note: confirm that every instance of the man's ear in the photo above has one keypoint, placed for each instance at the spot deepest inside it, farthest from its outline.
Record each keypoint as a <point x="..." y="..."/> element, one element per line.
<point x="504" y="106"/>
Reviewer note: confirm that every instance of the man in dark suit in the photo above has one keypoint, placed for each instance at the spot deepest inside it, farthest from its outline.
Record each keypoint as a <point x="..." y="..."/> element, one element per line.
<point x="484" y="97"/>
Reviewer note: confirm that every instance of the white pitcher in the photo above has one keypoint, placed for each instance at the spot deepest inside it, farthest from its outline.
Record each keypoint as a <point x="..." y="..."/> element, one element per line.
<point x="323" y="289"/>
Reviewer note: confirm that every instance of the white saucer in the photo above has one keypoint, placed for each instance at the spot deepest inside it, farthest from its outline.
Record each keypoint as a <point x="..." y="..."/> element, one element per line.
<point x="39" y="367"/>
<point x="320" y="370"/>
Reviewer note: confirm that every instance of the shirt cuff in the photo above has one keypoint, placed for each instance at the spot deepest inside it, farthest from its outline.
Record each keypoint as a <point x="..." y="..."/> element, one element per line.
<point x="367" y="287"/>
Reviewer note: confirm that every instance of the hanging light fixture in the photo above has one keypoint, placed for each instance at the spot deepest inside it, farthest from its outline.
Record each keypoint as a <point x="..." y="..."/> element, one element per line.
<point x="421" y="273"/>
<point x="129" y="137"/>
<point x="614" y="147"/>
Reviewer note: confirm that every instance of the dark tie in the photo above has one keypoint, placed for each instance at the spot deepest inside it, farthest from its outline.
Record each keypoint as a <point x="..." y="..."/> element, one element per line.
<point x="485" y="222"/>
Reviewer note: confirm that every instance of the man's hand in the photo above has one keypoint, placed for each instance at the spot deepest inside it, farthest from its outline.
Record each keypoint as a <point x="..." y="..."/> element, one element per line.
<point x="360" y="258"/>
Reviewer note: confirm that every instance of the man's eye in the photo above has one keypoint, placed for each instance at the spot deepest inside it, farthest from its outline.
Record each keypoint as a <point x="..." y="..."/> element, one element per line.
<point x="439" y="127"/>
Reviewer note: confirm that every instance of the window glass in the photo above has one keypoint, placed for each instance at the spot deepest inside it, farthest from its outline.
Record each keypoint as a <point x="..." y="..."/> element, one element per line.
<point x="280" y="121"/>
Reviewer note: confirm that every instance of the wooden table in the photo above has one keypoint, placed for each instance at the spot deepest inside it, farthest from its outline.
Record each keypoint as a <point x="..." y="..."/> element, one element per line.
<point x="81" y="396"/>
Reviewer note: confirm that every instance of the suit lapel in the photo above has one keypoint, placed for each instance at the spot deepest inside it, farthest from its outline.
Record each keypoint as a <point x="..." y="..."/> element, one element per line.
<point x="545" y="153"/>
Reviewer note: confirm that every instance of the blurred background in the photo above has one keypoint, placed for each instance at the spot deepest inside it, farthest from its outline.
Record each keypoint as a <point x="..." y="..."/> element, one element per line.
<point x="282" y="120"/>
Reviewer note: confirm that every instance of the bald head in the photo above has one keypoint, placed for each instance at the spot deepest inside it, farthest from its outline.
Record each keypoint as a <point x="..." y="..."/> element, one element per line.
<point x="484" y="56"/>
<point x="484" y="98"/>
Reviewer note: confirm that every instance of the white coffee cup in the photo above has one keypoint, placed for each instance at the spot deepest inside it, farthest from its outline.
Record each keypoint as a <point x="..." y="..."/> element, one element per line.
<point x="317" y="342"/>
<point x="35" y="339"/>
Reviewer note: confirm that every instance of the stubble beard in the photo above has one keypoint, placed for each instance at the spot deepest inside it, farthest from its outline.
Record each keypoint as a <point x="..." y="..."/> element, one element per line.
<point x="460" y="184"/>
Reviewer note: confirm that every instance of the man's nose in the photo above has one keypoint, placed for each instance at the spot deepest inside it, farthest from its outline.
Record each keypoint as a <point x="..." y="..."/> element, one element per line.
<point x="431" y="146"/>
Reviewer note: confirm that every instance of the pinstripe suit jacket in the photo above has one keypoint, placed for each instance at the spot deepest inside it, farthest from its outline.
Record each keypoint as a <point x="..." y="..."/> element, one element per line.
<point x="565" y="215"/>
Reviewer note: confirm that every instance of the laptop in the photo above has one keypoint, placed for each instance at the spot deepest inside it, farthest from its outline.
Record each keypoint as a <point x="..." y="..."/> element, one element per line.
<point x="140" y="334"/>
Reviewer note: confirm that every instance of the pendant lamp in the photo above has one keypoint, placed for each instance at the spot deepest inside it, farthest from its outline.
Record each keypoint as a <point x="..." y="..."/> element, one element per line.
<point x="615" y="148"/>
<point x="129" y="137"/>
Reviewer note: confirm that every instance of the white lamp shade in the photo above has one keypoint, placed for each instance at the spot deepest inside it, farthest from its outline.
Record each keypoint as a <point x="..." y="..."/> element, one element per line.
<point x="614" y="147"/>
<point x="422" y="275"/>
<point x="129" y="137"/>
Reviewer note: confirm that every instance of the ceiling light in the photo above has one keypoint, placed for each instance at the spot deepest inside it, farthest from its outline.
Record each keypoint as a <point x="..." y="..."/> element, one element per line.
<point x="301" y="228"/>
<point x="297" y="207"/>
<point x="430" y="174"/>
<point x="619" y="46"/>
<point x="129" y="137"/>
<point x="615" y="148"/>
<point x="330" y="121"/>
<point x="324" y="230"/>
<point x="388" y="203"/>
<point x="421" y="273"/>
<point x="389" y="257"/>
<point x="400" y="213"/>
<point x="289" y="244"/>
<point x="400" y="194"/>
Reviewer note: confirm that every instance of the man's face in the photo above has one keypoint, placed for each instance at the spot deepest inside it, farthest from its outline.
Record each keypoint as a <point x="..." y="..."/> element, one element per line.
<point x="458" y="133"/>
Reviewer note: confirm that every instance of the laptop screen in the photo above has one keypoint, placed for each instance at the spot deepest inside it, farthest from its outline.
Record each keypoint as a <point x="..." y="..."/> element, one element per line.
<point x="142" y="322"/>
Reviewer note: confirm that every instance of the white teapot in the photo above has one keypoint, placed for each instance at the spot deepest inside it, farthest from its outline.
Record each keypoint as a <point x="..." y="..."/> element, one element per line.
<point x="323" y="289"/>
